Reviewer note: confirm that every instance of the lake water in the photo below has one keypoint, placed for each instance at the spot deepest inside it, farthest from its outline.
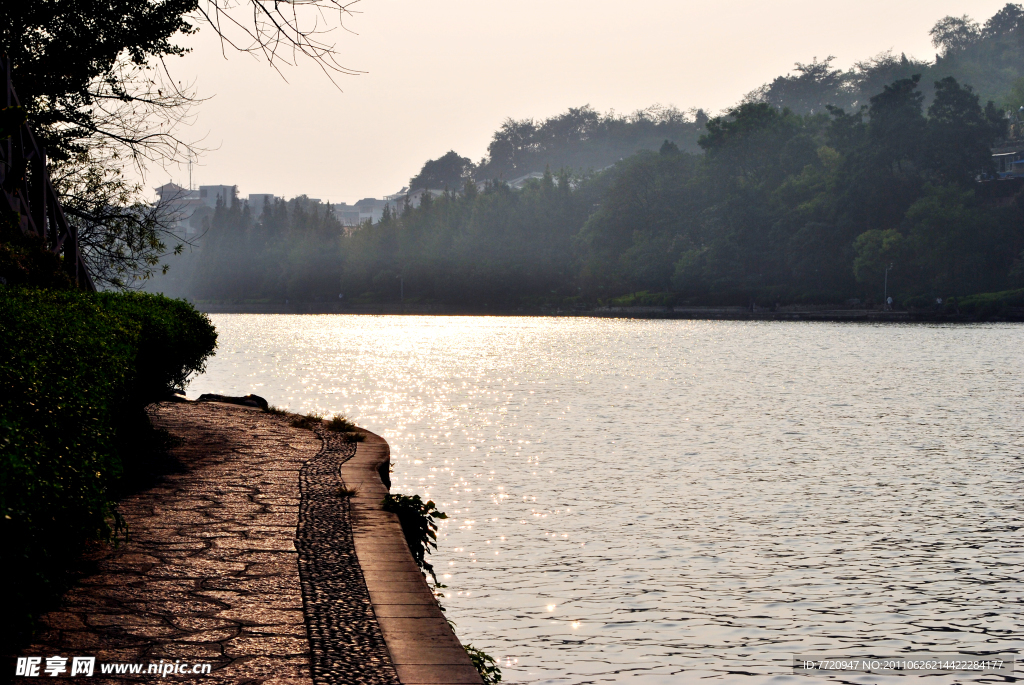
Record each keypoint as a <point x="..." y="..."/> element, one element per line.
<point x="674" y="501"/>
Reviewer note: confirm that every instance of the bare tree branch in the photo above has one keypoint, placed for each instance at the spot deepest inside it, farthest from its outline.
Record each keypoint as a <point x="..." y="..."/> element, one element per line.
<point x="277" y="27"/>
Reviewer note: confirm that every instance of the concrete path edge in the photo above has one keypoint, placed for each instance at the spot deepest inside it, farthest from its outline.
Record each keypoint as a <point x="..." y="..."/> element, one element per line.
<point x="422" y="644"/>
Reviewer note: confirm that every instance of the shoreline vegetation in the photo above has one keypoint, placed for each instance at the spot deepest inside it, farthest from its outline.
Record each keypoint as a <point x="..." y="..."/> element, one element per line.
<point x="997" y="307"/>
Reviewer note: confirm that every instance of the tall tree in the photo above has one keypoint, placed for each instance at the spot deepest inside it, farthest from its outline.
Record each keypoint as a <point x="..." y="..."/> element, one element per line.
<point x="812" y="89"/>
<point x="1007" y="21"/>
<point x="897" y="126"/>
<point x="960" y="133"/>
<point x="952" y="34"/>
<point x="872" y="75"/>
<point x="510" y="147"/>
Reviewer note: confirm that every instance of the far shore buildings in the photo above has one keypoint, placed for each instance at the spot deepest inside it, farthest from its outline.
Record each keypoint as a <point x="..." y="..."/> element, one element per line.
<point x="1008" y="181"/>
<point x="187" y="208"/>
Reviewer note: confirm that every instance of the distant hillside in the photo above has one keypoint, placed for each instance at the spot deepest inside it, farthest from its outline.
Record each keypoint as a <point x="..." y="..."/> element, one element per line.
<point x="988" y="57"/>
<point x="583" y="139"/>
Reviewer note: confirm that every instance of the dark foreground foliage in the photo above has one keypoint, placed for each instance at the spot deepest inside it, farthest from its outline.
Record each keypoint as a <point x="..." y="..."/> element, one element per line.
<point x="77" y="370"/>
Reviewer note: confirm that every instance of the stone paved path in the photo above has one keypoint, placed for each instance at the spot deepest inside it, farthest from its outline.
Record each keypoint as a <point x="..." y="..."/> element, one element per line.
<point x="210" y="572"/>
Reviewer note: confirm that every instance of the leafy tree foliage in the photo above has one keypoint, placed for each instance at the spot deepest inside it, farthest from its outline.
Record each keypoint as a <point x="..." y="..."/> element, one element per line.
<point x="814" y="87"/>
<point x="86" y="75"/>
<point x="71" y="59"/>
<point x="1007" y="21"/>
<point x="780" y="208"/>
<point x="583" y="139"/>
<point x="872" y="75"/>
<point x="952" y="34"/>
<point x="988" y="57"/>
<point x="960" y="133"/>
<point x="897" y="127"/>
<point x="290" y="251"/>
<point x="496" y="248"/>
<point x="447" y="171"/>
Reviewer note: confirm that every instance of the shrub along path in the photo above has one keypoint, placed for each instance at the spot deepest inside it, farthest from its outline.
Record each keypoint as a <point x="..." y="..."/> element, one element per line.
<point x="210" y="571"/>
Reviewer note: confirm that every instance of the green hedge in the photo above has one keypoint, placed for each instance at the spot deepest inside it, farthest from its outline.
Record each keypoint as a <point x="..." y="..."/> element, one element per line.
<point x="991" y="304"/>
<point x="76" y="371"/>
<point x="173" y="344"/>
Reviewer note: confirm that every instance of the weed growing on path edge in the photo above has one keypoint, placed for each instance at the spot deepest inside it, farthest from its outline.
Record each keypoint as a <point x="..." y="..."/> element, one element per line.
<point x="339" y="424"/>
<point x="418" y="525"/>
<point x="485" y="665"/>
<point x="307" y="421"/>
<point x="276" y="411"/>
<point x="345" y="492"/>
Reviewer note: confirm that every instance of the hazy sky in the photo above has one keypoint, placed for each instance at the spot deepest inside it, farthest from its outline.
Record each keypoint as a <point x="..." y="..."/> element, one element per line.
<point x="444" y="74"/>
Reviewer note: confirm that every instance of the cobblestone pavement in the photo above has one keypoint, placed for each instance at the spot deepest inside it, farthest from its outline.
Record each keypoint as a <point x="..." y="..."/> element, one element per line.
<point x="347" y="643"/>
<point x="210" y="572"/>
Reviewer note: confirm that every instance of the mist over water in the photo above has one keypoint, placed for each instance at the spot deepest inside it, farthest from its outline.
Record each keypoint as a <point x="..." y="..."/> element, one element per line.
<point x="662" y="501"/>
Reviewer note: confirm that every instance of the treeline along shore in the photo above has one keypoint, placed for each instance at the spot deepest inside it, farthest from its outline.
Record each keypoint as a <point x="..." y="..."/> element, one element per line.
<point x="987" y="307"/>
<point x="823" y="187"/>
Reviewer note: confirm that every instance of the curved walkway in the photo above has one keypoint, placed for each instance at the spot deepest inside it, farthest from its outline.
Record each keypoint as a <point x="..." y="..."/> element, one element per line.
<point x="211" y="573"/>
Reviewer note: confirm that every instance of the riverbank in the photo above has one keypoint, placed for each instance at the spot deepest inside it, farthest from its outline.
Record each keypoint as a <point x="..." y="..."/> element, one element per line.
<point x="228" y="557"/>
<point x="791" y="313"/>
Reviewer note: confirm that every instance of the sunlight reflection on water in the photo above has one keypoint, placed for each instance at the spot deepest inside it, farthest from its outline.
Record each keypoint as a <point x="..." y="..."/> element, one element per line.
<point x="657" y="501"/>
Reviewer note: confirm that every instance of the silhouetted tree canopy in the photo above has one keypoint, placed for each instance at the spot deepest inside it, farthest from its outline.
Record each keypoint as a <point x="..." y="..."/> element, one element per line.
<point x="951" y="34"/>
<point x="68" y="58"/>
<point x="582" y="139"/>
<point x="815" y="86"/>
<point x="448" y="171"/>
